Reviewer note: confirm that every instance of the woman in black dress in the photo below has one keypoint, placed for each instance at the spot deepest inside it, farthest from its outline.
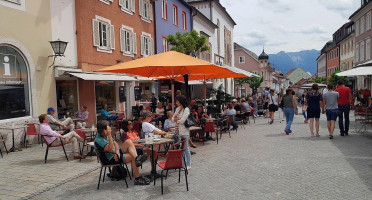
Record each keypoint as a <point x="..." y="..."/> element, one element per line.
<point x="314" y="100"/>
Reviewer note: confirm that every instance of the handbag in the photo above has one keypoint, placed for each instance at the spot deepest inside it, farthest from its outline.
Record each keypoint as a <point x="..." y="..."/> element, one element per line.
<point x="190" y="121"/>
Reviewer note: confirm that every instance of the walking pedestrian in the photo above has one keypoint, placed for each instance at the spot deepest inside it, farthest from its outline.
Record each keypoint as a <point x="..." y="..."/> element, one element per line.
<point x="255" y="98"/>
<point x="273" y="104"/>
<point x="289" y="108"/>
<point x="330" y="99"/>
<point x="266" y="101"/>
<point x="344" y="101"/>
<point x="313" y="101"/>
<point x="304" y="106"/>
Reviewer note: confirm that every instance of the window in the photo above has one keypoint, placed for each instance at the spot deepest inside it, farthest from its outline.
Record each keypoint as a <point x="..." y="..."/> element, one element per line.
<point x="241" y="59"/>
<point x="362" y="25"/>
<point x="368" y="49"/>
<point x="357" y="28"/>
<point x="14" y="1"/>
<point x="128" y="6"/>
<point x="103" y="35"/>
<point x="67" y="97"/>
<point x="146" y="12"/>
<point x="362" y="48"/>
<point x="15" y="4"/>
<point x="108" y="2"/>
<point x="368" y="21"/>
<point x="14" y="84"/>
<point x="105" y="94"/>
<point x="164" y="9"/>
<point x="147" y="44"/>
<point x="128" y="41"/>
<point x="357" y="53"/>
<point x="184" y="20"/>
<point x="165" y="44"/>
<point x="175" y="15"/>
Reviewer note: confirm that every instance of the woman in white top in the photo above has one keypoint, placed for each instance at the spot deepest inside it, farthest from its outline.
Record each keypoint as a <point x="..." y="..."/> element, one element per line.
<point x="180" y="116"/>
<point x="273" y="104"/>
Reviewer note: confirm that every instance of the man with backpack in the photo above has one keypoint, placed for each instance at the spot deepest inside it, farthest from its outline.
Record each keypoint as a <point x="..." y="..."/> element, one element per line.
<point x="113" y="154"/>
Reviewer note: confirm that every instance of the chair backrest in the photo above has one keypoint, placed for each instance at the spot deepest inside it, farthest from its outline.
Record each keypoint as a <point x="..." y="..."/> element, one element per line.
<point x="31" y="129"/>
<point x="81" y="134"/>
<point x="252" y="112"/>
<point x="360" y="110"/>
<point x="209" y="127"/>
<point x="137" y="126"/>
<point x="230" y="118"/>
<point x="173" y="147"/>
<point x="174" y="159"/>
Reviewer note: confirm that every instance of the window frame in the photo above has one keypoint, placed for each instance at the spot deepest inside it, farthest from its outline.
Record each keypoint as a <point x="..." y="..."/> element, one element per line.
<point x="149" y="13"/>
<point x="147" y="39"/>
<point x="132" y="39"/>
<point x="108" y="2"/>
<point x="184" y="20"/>
<point x="175" y="15"/>
<point x="165" y="48"/>
<point x="164" y="9"/>
<point x="368" y="21"/>
<point x="110" y="35"/>
<point x="241" y="61"/>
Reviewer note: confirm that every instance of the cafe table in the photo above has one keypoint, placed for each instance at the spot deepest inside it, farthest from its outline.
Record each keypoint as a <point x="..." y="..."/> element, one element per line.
<point x="12" y="128"/>
<point x="152" y="143"/>
<point x="92" y="132"/>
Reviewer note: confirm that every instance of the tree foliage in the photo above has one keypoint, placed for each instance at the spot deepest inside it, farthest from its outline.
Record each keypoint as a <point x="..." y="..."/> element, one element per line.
<point x="189" y="43"/>
<point x="253" y="82"/>
<point x="334" y="78"/>
<point x="322" y="80"/>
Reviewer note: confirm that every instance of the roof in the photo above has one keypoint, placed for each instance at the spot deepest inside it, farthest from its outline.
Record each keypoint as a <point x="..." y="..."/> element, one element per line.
<point x="357" y="11"/>
<point x="301" y="82"/>
<point x="218" y="3"/>
<point x="239" y="47"/>
<point x="186" y="4"/>
<point x="290" y="72"/>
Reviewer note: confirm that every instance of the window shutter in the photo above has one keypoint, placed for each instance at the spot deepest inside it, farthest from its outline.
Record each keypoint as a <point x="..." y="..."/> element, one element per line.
<point x="151" y="46"/>
<point x="121" y="3"/>
<point x="95" y="24"/>
<point x="112" y="36"/>
<point x="150" y="11"/>
<point x="140" y="8"/>
<point x="134" y="37"/>
<point x="142" y="45"/>
<point x="133" y="5"/>
<point x="122" y="40"/>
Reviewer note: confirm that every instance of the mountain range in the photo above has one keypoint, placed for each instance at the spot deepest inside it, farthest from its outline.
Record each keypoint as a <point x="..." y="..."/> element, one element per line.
<point x="285" y="61"/>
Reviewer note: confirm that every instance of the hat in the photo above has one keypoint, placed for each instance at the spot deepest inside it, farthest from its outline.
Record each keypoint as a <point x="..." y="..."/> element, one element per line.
<point x="51" y="109"/>
<point x="234" y="100"/>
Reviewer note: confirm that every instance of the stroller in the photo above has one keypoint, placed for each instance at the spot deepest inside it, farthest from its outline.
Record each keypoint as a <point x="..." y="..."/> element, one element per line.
<point x="260" y="108"/>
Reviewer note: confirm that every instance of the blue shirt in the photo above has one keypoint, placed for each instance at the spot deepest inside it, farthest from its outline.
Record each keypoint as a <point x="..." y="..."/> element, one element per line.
<point x="230" y="112"/>
<point x="100" y="143"/>
<point x="105" y="115"/>
<point x="168" y="123"/>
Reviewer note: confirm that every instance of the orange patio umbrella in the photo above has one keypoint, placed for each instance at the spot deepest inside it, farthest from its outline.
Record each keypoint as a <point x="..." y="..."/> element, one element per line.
<point x="173" y="65"/>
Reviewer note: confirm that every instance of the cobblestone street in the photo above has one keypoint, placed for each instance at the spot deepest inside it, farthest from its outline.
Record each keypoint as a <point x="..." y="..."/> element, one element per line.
<point x="260" y="162"/>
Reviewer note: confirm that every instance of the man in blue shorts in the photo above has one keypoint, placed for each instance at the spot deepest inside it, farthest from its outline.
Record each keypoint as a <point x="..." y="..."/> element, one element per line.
<point x="330" y="99"/>
<point x="114" y="154"/>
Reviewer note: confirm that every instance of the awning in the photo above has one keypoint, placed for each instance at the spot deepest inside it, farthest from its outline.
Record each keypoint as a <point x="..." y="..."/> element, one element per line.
<point x="197" y="82"/>
<point x="241" y="71"/>
<point x="359" y="71"/>
<point x="103" y="77"/>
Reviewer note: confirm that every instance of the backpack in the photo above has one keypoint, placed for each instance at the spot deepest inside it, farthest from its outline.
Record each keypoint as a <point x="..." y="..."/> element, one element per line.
<point x="118" y="173"/>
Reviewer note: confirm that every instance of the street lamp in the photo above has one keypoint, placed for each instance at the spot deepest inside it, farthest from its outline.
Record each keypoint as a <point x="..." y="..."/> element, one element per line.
<point x="59" y="48"/>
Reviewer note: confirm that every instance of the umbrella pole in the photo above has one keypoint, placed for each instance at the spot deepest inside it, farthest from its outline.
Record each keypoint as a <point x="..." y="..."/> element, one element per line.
<point x="205" y="94"/>
<point x="172" y="82"/>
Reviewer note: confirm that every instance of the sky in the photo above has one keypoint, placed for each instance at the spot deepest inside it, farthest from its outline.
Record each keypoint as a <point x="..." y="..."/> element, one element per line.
<point x="287" y="25"/>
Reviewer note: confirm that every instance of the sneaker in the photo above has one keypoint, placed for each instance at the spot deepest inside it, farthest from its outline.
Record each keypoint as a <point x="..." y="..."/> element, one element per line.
<point x="331" y="137"/>
<point x="141" y="181"/>
<point x="188" y="167"/>
<point x="317" y="135"/>
<point x="140" y="159"/>
<point x="286" y="132"/>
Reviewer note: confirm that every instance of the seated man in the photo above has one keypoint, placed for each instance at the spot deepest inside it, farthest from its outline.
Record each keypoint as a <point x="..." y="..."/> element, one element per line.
<point x="82" y="115"/>
<point x="57" y="125"/>
<point x="104" y="142"/>
<point x="52" y="136"/>
<point x="106" y="115"/>
<point x="231" y="111"/>
<point x="246" y="109"/>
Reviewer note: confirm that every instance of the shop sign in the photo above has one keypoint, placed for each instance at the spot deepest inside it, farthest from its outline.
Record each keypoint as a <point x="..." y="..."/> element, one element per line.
<point x="8" y="70"/>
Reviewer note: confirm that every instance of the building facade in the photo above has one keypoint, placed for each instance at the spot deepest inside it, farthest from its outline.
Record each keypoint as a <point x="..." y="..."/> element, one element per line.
<point x="322" y="65"/>
<point x="345" y="37"/>
<point x="27" y="85"/>
<point x="333" y="58"/>
<point x="171" y="16"/>
<point x="363" y="35"/>
<point x="224" y="48"/>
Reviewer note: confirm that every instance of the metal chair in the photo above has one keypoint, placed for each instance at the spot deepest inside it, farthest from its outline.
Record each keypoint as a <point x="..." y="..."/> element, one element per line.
<point x="2" y="140"/>
<point x="209" y="127"/>
<point x="51" y="146"/>
<point x="31" y="130"/>
<point x="102" y="159"/>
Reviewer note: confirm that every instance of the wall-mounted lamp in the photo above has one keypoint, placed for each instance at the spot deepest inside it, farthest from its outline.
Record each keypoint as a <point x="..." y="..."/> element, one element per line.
<point x="59" y="48"/>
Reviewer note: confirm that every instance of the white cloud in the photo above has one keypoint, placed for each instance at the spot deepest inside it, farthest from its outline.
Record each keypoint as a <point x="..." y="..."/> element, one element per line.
<point x="287" y="25"/>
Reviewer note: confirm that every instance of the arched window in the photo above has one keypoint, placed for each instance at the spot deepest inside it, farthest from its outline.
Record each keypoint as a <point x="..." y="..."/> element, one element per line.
<point x="14" y="84"/>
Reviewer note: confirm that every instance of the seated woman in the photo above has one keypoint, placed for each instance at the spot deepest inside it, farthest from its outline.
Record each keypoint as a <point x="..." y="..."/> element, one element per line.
<point x="130" y="134"/>
<point x="159" y="114"/>
<point x="168" y="122"/>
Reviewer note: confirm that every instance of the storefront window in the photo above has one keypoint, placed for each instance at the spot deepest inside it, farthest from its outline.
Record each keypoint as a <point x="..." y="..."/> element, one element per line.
<point x="67" y="99"/>
<point x="14" y="85"/>
<point x="105" y="94"/>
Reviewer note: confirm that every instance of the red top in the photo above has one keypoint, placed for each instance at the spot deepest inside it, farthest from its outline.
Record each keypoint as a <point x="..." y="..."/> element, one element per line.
<point x="344" y="93"/>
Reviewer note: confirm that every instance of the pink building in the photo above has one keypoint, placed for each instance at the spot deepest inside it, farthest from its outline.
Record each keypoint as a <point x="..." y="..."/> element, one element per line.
<point x="249" y="61"/>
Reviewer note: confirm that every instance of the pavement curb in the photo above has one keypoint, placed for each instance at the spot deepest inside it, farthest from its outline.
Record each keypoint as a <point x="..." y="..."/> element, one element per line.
<point x="60" y="183"/>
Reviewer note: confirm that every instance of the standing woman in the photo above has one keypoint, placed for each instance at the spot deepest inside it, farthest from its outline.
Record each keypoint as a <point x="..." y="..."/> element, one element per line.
<point x="273" y="104"/>
<point x="313" y="101"/>
<point x="180" y="116"/>
<point x="289" y="108"/>
<point x="255" y="98"/>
